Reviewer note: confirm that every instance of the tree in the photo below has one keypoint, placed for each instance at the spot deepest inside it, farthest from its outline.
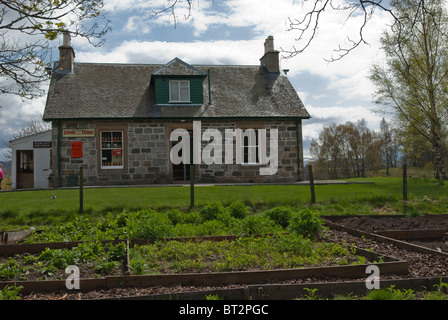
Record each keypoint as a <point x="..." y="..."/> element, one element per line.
<point x="32" y="127"/>
<point x="307" y="25"/>
<point x="413" y="83"/>
<point x="26" y="29"/>
<point x="328" y="150"/>
<point x="389" y="145"/>
<point x="345" y="150"/>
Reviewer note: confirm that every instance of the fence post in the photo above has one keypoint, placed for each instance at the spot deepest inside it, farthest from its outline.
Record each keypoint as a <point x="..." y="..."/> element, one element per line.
<point x="311" y="176"/>
<point x="81" y="191"/>
<point x="191" y="186"/>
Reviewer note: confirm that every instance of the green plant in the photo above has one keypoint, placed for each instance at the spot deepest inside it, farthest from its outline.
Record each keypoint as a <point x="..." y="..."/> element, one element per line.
<point x="280" y="215"/>
<point x="306" y="223"/>
<point x="238" y="210"/>
<point x="149" y="224"/>
<point x="104" y="265"/>
<point x="10" y="292"/>
<point x="11" y="270"/>
<point x="440" y="293"/>
<point x="213" y="297"/>
<point x="311" y="294"/>
<point x="390" y="293"/>
<point x="211" y="210"/>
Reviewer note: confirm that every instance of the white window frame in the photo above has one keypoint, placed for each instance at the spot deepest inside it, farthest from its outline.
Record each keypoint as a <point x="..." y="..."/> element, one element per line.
<point x="111" y="146"/>
<point x="179" y="91"/>
<point x="247" y="146"/>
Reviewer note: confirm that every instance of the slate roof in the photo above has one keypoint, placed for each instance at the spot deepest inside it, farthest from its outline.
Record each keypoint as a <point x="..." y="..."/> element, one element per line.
<point x="125" y="91"/>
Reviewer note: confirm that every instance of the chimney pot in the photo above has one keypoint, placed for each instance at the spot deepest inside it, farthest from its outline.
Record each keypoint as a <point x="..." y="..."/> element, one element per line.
<point x="66" y="54"/>
<point x="66" y="39"/>
<point x="270" y="59"/>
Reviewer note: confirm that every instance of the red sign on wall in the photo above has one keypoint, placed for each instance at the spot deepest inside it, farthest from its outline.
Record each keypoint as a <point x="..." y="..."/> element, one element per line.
<point x="76" y="149"/>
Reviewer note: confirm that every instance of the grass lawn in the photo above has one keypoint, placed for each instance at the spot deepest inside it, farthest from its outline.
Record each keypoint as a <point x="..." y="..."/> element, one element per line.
<point x="24" y="208"/>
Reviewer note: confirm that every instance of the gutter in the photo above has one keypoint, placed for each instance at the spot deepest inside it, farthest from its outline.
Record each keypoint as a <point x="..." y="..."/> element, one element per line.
<point x="298" y="150"/>
<point x="59" y="154"/>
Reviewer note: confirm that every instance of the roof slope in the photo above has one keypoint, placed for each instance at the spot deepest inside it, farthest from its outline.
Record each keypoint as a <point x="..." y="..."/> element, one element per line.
<point x="108" y="91"/>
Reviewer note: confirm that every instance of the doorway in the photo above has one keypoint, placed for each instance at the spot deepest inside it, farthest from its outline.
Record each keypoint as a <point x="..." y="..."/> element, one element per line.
<point x="25" y="169"/>
<point x="181" y="171"/>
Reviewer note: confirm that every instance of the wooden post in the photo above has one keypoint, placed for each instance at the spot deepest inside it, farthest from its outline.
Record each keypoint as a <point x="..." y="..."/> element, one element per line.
<point x="191" y="186"/>
<point x="311" y="176"/>
<point x="405" y="182"/>
<point x="81" y="191"/>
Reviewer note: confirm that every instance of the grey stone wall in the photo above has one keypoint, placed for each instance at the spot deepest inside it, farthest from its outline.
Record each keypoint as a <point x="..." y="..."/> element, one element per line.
<point x="146" y="155"/>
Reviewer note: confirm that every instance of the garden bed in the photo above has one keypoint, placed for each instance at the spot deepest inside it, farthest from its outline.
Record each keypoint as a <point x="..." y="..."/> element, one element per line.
<point x="215" y="261"/>
<point x="178" y="267"/>
<point x="428" y="231"/>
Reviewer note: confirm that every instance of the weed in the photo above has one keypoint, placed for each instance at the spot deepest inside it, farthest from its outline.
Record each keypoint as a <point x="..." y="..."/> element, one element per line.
<point x="311" y="294"/>
<point x="390" y="293"/>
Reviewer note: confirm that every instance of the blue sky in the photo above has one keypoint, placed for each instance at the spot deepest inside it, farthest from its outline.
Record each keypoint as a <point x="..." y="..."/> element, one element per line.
<point x="233" y="32"/>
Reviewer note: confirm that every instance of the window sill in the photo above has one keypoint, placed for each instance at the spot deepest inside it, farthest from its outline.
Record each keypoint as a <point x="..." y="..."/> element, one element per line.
<point x="112" y="168"/>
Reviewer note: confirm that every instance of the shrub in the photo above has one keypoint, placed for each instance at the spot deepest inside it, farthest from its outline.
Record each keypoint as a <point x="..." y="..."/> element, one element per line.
<point x="306" y="223"/>
<point x="280" y="215"/>
<point x="211" y="210"/>
<point x="238" y="210"/>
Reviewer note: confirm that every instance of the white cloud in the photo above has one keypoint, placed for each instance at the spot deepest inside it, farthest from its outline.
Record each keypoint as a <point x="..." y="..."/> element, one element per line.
<point x="199" y="52"/>
<point x="324" y="116"/>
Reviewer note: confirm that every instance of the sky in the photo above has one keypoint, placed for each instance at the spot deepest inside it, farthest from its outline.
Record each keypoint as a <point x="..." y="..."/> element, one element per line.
<point x="233" y="32"/>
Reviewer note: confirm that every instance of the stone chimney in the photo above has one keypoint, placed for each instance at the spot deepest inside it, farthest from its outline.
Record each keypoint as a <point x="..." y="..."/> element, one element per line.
<point x="270" y="60"/>
<point x="66" y="54"/>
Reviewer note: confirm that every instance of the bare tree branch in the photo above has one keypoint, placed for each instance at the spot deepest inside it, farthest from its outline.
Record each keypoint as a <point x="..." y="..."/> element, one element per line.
<point x="26" y="29"/>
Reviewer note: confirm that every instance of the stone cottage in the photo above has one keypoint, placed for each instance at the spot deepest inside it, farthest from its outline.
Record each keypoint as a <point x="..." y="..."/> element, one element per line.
<point x="117" y="120"/>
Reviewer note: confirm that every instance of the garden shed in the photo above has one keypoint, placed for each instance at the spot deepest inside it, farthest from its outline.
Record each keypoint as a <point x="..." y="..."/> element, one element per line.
<point x="31" y="161"/>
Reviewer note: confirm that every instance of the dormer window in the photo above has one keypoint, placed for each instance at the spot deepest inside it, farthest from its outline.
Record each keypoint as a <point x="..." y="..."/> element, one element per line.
<point x="180" y="91"/>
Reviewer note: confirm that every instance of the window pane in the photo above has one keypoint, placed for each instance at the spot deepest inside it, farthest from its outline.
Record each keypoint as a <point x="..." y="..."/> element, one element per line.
<point x="174" y="91"/>
<point x="112" y="149"/>
<point x="184" y="92"/>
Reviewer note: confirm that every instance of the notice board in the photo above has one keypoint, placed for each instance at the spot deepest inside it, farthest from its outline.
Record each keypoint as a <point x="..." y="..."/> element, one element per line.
<point x="76" y="149"/>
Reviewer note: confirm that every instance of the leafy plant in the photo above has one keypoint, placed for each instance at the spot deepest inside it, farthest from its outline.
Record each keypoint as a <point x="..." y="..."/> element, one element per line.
<point x="238" y="210"/>
<point x="306" y="223"/>
<point x="10" y="292"/>
<point x="390" y="293"/>
<point x="211" y="210"/>
<point x="280" y="215"/>
<point x="149" y="224"/>
<point x="311" y="294"/>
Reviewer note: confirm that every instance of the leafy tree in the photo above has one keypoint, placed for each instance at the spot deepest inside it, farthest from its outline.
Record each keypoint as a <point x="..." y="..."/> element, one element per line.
<point x="26" y="29"/>
<point x="413" y="82"/>
<point x="389" y="146"/>
<point x="345" y="149"/>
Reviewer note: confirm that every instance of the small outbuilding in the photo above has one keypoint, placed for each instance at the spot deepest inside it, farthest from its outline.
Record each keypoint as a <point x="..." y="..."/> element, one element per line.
<point x="31" y="161"/>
